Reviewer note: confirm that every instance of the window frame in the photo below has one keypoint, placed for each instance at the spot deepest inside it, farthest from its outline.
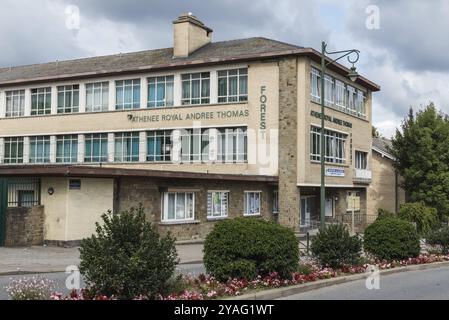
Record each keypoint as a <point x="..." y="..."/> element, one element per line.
<point x="187" y="100"/>
<point x="101" y="88"/>
<point x="74" y="91"/>
<point x="37" y="94"/>
<point x="125" y="138"/>
<point x="167" y="82"/>
<point x="135" y="85"/>
<point x="361" y="157"/>
<point x="165" y="207"/>
<point x="15" y="103"/>
<point x="166" y="137"/>
<point x="40" y="156"/>
<point x="224" y="204"/>
<point x="73" y="143"/>
<point x="16" y="143"/>
<point x="103" y="140"/>
<point x="242" y="73"/>
<point x="247" y="202"/>
<point x="335" y="150"/>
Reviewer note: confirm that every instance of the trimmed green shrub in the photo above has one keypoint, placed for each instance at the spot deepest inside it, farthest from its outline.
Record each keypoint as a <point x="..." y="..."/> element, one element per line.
<point x="333" y="246"/>
<point x="127" y="258"/>
<point x="244" y="248"/>
<point x="440" y="239"/>
<point x="425" y="218"/>
<point x="383" y="214"/>
<point x="392" y="239"/>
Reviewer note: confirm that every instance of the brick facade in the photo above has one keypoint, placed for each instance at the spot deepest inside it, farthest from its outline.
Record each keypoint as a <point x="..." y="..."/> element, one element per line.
<point x="132" y="191"/>
<point x="25" y="227"/>
<point x="288" y="148"/>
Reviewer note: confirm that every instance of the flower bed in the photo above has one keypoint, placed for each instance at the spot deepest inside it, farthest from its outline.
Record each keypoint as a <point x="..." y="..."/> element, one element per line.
<point x="205" y="287"/>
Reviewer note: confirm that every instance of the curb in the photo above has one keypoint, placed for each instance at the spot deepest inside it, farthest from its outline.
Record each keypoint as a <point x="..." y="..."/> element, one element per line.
<point x="25" y="273"/>
<point x="280" y="293"/>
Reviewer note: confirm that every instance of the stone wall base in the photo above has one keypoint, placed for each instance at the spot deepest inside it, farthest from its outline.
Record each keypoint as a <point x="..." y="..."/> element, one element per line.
<point x="24" y="227"/>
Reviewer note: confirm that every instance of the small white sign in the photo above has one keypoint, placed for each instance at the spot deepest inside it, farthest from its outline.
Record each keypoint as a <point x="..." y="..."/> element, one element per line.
<point x="335" y="172"/>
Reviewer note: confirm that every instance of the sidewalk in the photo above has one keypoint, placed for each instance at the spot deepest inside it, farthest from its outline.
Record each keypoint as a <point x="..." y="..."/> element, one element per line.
<point x="55" y="259"/>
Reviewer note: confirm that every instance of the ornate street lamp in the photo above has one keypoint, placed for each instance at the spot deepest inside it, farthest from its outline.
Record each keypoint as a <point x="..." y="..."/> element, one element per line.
<point x="353" y="57"/>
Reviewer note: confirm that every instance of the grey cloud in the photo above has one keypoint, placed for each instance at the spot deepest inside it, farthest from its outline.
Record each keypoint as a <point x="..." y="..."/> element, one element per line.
<point x="415" y="32"/>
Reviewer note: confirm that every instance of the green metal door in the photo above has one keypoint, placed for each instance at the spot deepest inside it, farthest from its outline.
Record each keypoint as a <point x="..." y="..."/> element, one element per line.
<point x="3" y="207"/>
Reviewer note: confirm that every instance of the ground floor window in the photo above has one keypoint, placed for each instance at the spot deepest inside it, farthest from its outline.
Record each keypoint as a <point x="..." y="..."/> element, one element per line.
<point x="252" y="203"/>
<point x="178" y="206"/>
<point x="353" y="201"/>
<point x="217" y="204"/>
<point x="23" y="192"/>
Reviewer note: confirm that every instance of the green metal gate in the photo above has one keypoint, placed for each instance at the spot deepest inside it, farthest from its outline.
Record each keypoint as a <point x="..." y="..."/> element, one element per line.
<point x="3" y="207"/>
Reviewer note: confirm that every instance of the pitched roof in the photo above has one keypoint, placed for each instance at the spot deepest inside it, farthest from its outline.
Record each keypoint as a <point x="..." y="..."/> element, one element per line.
<point x="383" y="146"/>
<point x="143" y="59"/>
<point x="153" y="60"/>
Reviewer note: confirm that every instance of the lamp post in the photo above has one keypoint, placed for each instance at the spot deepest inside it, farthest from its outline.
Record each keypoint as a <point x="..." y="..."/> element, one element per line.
<point x="353" y="56"/>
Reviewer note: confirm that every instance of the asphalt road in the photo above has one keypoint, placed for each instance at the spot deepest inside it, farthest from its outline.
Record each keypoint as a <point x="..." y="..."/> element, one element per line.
<point x="432" y="284"/>
<point x="59" y="279"/>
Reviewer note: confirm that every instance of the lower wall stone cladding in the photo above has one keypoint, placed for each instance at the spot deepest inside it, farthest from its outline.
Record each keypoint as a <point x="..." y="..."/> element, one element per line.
<point x="24" y="227"/>
<point x="288" y="148"/>
<point x="130" y="192"/>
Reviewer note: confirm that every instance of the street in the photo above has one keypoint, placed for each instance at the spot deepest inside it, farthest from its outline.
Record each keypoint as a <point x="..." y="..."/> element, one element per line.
<point x="432" y="284"/>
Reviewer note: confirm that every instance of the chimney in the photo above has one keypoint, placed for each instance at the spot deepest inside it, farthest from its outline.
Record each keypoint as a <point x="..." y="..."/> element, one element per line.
<point x="190" y="34"/>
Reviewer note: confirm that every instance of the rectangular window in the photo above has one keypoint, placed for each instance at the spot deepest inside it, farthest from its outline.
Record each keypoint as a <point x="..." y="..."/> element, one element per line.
<point x="127" y="94"/>
<point x="67" y="149"/>
<point x="360" y="104"/>
<point x="232" y="145"/>
<point x="39" y="149"/>
<point x="196" y="88"/>
<point x="335" y="143"/>
<point x="97" y="97"/>
<point x="329" y="95"/>
<point x="13" y="150"/>
<point x="160" y="92"/>
<point x="252" y="203"/>
<point x="40" y="101"/>
<point x="351" y="97"/>
<point x="276" y="201"/>
<point x="233" y="85"/>
<point x="178" y="207"/>
<point x="96" y="148"/>
<point x="361" y="160"/>
<point x="68" y="99"/>
<point x="159" y="146"/>
<point x="315" y="81"/>
<point x="15" y="103"/>
<point x="217" y="204"/>
<point x="127" y="147"/>
<point x="340" y="96"/>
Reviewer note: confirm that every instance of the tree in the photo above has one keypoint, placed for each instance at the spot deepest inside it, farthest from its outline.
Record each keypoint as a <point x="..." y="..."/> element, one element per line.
<point x="375" y="132"/>
<point x="421" y="150"/>
<point x="127" y="258"/>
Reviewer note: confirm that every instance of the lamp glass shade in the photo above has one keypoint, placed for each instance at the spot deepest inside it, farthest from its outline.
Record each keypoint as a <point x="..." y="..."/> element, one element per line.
<point x="353" y="75"/>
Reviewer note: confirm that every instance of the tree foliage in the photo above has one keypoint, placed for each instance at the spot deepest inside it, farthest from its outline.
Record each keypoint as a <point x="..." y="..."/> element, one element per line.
<point x="127" y="258"/>
<point x="421" y="150"/>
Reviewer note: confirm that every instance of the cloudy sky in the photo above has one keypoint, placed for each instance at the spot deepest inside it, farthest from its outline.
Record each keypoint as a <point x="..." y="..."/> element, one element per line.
<point x="408" y="55"/>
